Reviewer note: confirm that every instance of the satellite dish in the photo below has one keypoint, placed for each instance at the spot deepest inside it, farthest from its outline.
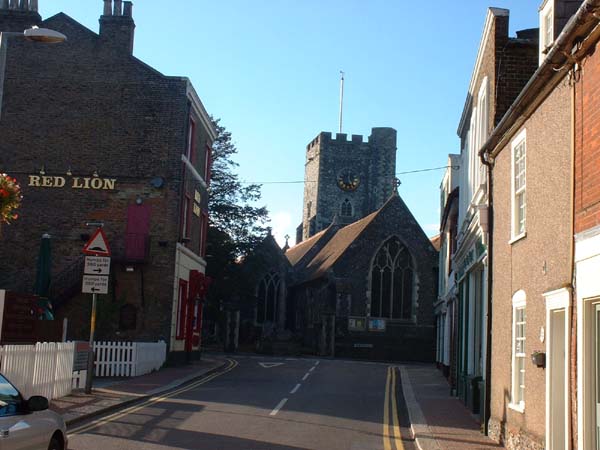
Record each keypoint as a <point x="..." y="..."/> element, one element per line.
<point x="157" y="182"/>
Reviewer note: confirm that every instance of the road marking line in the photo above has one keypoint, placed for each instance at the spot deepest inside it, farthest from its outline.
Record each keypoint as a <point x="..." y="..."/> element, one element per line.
<point x="293" y="391"/>
<point x="397" y="434"/>
<point x="278" y="407"/>
<point x="387" y="444"/>
<point x="305" y="376"/>
<point x="317" y="363"/>
<point x="133" y="409"/>
<point x="312" y="368"/>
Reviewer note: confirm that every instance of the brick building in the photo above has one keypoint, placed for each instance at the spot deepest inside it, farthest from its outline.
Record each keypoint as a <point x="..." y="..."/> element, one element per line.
<point x="542" y="340"/>
<point x="98" y="135"/>
<point x="502" y="67"/>
<point x="585" y="312"/>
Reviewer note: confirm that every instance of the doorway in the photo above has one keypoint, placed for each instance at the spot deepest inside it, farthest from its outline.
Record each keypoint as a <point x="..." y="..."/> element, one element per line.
<point x="557" y="369"/>
<point x="557" y="360"/>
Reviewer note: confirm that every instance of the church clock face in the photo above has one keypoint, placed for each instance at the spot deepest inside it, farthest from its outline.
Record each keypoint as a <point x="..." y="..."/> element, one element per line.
<point x="347" y="180"/>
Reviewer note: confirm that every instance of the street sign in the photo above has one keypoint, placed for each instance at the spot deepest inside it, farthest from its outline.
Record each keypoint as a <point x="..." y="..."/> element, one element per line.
<point x="97" y="245"/>
<point x="97" y="265"/>
<point x="95" y="284"/>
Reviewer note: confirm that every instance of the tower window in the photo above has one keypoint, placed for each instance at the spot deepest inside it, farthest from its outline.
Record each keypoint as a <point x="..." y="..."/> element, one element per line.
<point x="346" y="209"/>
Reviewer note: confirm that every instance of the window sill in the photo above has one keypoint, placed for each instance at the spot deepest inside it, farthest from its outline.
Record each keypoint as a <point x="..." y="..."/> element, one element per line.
<point x="520" y="408"/>
<point x="517" y="238"/>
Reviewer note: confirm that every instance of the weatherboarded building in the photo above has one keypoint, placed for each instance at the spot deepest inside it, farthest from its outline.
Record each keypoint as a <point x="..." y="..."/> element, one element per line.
<point x="95" y="135"/>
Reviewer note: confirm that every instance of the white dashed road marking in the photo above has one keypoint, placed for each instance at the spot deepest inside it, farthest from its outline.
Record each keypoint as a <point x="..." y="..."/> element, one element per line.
<point x="278" y="407"/>
<point x="293" y="391"/>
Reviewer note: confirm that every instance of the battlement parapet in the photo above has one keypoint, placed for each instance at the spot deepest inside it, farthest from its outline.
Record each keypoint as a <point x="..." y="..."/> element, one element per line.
<point x="378" y="134"/>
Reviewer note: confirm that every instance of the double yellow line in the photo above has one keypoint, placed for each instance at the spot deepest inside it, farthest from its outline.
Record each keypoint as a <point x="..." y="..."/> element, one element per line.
<point x="151" y="401"/>
<point x="390" y="404"/>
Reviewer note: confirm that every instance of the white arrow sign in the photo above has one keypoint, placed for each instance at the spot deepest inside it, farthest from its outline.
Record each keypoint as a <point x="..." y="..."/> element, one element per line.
<point x="97" y="265"/>
<point x="269" y="365"/>
<point x="94" y="284"/>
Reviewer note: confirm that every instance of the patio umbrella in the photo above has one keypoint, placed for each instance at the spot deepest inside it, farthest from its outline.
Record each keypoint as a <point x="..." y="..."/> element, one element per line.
<point x="42" y="279"/>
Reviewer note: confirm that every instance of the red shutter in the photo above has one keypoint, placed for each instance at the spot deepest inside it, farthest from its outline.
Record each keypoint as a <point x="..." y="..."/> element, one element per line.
<point x="137" y="232"/>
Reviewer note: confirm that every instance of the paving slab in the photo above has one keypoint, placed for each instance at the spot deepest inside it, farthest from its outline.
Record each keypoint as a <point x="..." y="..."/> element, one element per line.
<point x="438" y="420"/>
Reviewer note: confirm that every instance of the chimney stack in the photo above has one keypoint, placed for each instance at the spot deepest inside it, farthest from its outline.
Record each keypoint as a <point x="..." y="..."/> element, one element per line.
<point x="18" y="15"/>
<point x="117" y="25"/>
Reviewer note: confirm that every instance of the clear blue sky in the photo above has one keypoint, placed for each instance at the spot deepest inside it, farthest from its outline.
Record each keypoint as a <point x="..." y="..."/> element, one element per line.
<point x="270" y="70"/>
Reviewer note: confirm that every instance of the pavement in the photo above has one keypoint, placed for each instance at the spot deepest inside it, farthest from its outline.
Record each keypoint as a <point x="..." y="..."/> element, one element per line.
<point x="111" y="394"/>
<point x="439" y="421"/>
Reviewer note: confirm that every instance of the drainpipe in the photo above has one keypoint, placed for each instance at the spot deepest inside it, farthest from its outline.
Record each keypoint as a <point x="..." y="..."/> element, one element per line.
<point x="488" y="346"/>
<point x="575" y="73"/>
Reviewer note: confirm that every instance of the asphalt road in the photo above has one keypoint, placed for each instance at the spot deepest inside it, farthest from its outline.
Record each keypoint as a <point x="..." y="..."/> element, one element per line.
<point x="264" y="403"/>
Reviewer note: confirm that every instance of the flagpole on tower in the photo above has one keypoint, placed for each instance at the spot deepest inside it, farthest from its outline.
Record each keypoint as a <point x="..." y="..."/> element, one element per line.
<point x="341" y="98"/>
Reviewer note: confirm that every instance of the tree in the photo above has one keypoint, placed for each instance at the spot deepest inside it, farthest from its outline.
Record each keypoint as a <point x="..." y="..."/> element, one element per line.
<point x="236" y="226"/>
<point x="232" y="203"/>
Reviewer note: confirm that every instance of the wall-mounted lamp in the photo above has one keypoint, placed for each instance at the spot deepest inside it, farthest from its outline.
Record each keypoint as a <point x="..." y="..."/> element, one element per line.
<point x="138" y="200"/>
<point x="69" y="173"/>
<point x="95" y="174"/>
<point x="43" y="170"/>
<point x="538" y="358"/>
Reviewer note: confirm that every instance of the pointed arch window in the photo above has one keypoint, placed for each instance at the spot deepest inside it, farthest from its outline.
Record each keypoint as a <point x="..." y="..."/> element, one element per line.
<point x="346" y="210"/>
<point x="392" y="282"/>
<point x="267" y="297"/>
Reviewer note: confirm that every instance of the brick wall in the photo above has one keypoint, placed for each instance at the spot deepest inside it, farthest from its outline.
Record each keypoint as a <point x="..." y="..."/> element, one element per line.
<point x="587" y="145"/>
<point x="84" y="107"/>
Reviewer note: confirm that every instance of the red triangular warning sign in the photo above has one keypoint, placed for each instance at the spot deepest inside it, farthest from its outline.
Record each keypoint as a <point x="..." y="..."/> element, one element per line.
<point x="97" y="245"/>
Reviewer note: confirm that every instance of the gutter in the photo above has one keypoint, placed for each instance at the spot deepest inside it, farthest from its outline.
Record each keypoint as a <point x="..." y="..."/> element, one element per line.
<point x="548" y="75"/>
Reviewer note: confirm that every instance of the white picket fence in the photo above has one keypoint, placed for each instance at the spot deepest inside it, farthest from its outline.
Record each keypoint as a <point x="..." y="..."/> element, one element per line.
<point x="128" y="359"/>
<point x="41" y="369"/>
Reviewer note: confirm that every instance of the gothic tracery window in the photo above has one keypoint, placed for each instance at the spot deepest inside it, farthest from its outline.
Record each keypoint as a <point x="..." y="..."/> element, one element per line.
<point x="268" y="295"/>
<point x="346" y="208"/>
<point x="392" y="280"/>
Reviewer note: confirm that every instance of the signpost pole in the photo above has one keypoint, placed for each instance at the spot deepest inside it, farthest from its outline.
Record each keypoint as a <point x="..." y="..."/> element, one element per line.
<point x="90" y="366"/>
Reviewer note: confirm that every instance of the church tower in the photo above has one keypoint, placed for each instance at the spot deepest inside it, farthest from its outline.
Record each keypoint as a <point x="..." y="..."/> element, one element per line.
<point x="346" y="178"/>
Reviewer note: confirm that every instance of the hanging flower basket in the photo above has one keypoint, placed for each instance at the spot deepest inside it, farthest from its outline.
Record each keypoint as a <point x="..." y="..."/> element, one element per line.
<point x="10" y="198"/>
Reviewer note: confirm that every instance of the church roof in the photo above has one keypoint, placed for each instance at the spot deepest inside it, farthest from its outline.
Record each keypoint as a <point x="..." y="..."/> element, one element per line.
<point x="336" y="247"/>
<point x="297" y="252"/>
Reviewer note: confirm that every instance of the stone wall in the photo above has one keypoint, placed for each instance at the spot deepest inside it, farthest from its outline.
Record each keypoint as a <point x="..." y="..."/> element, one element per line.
<point x="372" y="162"/>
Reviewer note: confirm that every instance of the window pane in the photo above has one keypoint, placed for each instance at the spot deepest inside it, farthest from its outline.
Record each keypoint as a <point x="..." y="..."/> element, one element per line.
<point x="10" y="400"/>
<point x="375" y="293"/>
<point x="386" y="291"/>
<point x="407" y="294"/>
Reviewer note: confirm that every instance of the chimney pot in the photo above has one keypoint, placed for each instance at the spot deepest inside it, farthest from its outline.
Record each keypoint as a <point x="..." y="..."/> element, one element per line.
<point x="4" y="4"/>
<point x="107" y="8"/>
<point x="118" y="11"/>
<point x="14" y="4"/>
<point x="25" y="5"/>
<point x="127" y="9"/>
<point x="33" y="5"/>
